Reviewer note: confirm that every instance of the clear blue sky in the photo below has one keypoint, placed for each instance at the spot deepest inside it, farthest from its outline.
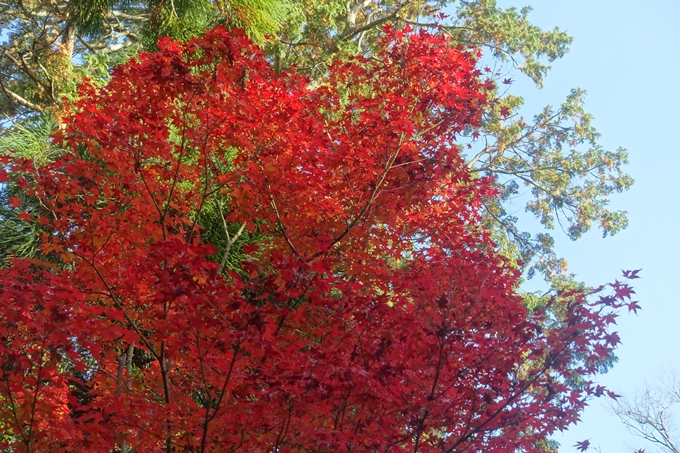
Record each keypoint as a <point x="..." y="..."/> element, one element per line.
<point x="626" y="54"/>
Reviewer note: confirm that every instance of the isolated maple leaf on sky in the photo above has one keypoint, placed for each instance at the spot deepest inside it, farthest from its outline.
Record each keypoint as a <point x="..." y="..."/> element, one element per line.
<point x="631" y="274"/>
<point x="583" y="445"/>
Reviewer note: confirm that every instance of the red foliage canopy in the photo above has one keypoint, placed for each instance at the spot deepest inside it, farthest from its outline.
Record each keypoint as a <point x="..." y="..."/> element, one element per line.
<point x="372" y="313"/>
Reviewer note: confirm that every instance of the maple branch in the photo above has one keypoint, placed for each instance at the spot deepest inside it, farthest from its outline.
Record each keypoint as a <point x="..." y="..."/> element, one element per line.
<point x="419" y="430"/>
<point x="285" y="424"/>
<point x="371" y="199"/>
<point x="119" y="306"/>
<point x="283" y="227"/>
<point x="403" y="164"/>
<point x="151" y="433"/>
<point x="361" y="347"/>
<point x="13" y="407"/>
<point x="35" y="394"/>
<point x="180" y="153"/>
<point x="339" y="416"/>
<point x="138" y="163"/>
<point x="201" y="357"/>
<point x="440" y="363"/>
<point x="165" y="369"/>
<point x="206" y="172"/>
<point x="125" y="361"/>
<point x="510" y="399"/>
<point x="209" y="418"/>
<point x="95" y="250"/>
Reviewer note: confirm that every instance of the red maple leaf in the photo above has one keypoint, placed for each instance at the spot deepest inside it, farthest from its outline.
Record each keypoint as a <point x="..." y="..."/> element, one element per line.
<point x="582" y="445"/>
<point x="634" y="307"/>
<point x="613" y="395"/>
<point x="23" y="215"/>
<point x="14" y="202"/>
<point x="631" y="274"/>
<point x="623" y="291"/>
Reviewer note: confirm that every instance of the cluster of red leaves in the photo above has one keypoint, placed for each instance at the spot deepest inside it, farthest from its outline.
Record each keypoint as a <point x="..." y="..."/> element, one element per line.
<point x="372" y="316"/>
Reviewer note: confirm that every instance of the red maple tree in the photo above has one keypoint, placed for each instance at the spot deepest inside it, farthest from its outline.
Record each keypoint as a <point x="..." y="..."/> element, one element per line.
<point x="371" y="313"/>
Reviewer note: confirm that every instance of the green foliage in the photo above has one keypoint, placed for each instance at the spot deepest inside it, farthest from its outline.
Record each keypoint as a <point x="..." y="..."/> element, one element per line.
<point x="17" y="237"/>
<point x="180" y="19"/>
<point x="27" y="140"/>
<point x="570" y="176"/>
<point x="510" y="36"/>
<point x="228" y="238"/>
<point x="260" y="18"/>
<point x="316" y="32"/>
<point x="30" y="140"/>
<point x="89" y="16"/>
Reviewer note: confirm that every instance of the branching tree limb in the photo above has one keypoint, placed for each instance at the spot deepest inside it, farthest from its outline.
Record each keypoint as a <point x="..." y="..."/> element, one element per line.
<point x="649" y="414"/>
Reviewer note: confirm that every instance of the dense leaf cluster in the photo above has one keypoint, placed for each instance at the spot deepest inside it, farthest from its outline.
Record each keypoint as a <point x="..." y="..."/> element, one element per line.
<point x="368" y="309"/>
<point x="551" y="163"/>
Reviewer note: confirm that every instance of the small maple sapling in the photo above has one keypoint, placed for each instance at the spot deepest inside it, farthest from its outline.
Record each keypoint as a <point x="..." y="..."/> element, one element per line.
<point x="372" y="313"/>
